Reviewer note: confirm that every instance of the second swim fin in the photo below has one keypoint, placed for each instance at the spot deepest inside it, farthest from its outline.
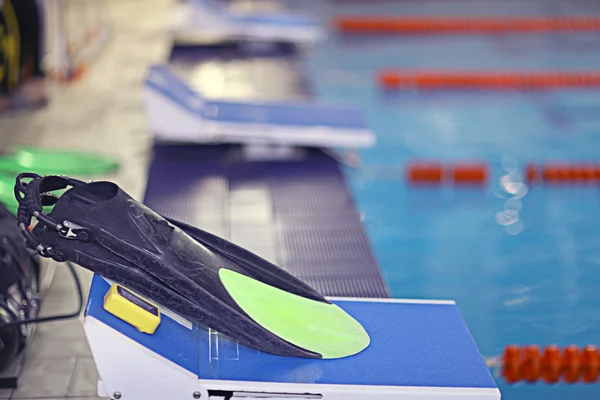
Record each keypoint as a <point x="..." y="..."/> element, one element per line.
<point x="203" y="277"/>
<point x="55" y="161"/>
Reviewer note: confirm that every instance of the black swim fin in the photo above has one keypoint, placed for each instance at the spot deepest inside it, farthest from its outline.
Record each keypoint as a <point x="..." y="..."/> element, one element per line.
<point x="202" y="277"/>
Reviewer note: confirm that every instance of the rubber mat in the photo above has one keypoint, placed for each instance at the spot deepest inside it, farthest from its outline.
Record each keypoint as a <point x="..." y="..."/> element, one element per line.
<point x="298" y="214"/>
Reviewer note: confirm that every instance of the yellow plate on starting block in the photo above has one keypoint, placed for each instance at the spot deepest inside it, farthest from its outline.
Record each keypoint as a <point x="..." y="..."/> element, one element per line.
<point x="133" y="309"/>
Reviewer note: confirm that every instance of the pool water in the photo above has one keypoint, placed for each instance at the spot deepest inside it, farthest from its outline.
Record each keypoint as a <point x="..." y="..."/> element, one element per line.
<point x="522" y="261"/>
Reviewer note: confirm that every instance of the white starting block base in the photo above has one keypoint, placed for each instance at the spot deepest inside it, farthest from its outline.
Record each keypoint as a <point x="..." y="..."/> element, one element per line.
<point x="198" y="18"/>
<point x="419" y="350"/>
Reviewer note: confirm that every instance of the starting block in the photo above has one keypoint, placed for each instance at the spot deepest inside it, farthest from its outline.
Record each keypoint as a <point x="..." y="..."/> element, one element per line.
<point x="419" y="350"/>
<point x="178" y="113"/>
<point x="208" y="18"/>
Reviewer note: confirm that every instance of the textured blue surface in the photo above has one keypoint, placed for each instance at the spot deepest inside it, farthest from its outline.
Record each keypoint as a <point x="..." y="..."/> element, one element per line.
<point x="411" y="345"/>
<point x="521" y="261"/>
<point x="317" y="233"/>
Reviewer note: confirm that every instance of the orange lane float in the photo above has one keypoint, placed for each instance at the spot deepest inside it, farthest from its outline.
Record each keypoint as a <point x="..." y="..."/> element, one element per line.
<point x="425" y="173"/>
<point x="469" y="173"/>
<point x="563" y="173"/>
<point x="405" y="79"/>
<point x="571" y="365"/>
<point x="436" y="173"/>
<point x="404" y="25"/>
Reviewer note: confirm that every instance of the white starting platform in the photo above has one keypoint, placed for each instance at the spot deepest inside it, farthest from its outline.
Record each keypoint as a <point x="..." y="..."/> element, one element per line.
<point x="178" y="113"/>
<point x="194" y="19"/>
<point x="419" y="350"/>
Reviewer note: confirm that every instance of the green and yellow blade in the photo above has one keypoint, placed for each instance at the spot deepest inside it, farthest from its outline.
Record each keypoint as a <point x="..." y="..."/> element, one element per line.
<point x="319" y="327"/>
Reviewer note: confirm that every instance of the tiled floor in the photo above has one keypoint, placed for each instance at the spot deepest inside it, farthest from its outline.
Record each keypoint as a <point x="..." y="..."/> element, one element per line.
<point x="102" y="113"/>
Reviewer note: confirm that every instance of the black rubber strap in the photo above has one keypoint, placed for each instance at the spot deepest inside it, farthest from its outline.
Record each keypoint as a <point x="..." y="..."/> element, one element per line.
<point x="34" y="190"/>
<point x="32" y="193"/>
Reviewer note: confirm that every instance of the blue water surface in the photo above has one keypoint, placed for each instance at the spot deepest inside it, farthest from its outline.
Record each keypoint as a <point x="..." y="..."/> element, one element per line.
<point x="522" y="261"/>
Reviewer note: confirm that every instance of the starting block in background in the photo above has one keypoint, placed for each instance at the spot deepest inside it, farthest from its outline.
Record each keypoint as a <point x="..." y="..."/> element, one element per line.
<point x="208" y="18"/>
<point x="178" y="113"/>
<point x="419" y="350"/>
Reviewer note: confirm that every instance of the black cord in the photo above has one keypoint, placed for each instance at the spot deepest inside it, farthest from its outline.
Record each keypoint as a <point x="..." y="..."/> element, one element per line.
<point x="54" y="317"/>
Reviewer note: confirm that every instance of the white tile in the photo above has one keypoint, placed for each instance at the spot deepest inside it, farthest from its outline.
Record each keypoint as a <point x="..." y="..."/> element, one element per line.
<point x="71" y="329"/>
<point x="85" y="378"/>
<point x="45" y="378"/>
<point x="44" y="347"/>
<point x="64" y="301"/>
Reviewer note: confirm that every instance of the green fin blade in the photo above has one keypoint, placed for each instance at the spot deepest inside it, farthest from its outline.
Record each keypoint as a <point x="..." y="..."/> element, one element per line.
<point x="7" y="194"/>
<point x="316" y="326"/>
<point x="56" y="162"/>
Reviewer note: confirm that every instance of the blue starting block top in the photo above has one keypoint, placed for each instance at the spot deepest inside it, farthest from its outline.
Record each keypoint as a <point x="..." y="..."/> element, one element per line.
<point x="161" y="79"/>
<point x="413" y="344"/>
<point x="302" y="123"/>
<point x="281" y="20"/>
<point x="273" y="19"/>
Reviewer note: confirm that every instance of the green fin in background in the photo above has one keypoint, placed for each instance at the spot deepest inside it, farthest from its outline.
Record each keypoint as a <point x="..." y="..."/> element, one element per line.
<point x="313" y="325"/>
<point x="56" y="162"/>
<point x="48" y="162"/>
<point x="7" y="194"/>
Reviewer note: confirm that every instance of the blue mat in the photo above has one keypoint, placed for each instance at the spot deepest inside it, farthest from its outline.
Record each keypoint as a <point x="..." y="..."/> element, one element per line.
<point x="437" y="350"/>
